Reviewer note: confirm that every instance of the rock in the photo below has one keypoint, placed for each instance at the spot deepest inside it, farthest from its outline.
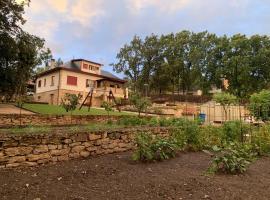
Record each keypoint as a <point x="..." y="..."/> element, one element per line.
<point x="13" y="165"/>
<point x="14" y="151"/>
<point x="88" y="144"/>
<point x="34" y="157"/>
<point x="59" y="152"/>
<point x="41" y="149"/>
<point x="91" y="149"/>
<point x="94" y="137"/>
<point x="29" y="164"/>
<point x="62" y="158"/>
<point x="75" y="144"/>
<point x="74" y="155"/>
<point x="77" y="149"/>
<point x="84" y="154"/>
<point x="52" y="146"/>
<point x="67" y="141"/>
<point x="16" y="159"/>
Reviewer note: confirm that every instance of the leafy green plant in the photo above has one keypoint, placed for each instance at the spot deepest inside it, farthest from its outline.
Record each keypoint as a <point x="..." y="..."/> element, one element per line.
<point x="225" y="100"/>
<point x="260" y="105"/>
<point x="140" y="103"/>
<point x="153" y="148"/>
<point x="133" y="121"/>
<point x="70" y="101"/>
<point x="232" y="159"/>
<point x="107" y="106"/>
<point x="211" y="136"/>
<point x="234" y="131"/>
<point x="260" y="140"/>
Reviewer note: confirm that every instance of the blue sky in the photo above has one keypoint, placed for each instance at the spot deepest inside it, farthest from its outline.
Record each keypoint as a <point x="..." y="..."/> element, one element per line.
<point x="97" y="29"/>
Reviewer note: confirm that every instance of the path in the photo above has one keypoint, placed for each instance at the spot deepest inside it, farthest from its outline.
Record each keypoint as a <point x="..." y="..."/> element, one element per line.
<point x="11" y="109"/>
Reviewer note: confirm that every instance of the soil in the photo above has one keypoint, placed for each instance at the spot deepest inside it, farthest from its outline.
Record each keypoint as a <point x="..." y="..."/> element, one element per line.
<point x="116" y="177"/>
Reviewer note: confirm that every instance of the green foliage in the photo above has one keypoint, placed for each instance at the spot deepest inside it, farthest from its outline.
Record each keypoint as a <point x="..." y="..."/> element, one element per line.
<point x="153" y="148"/>
<point x="260" y="140"/>
<point x="210" y="136"/>
<point x="140" y="103"/>
<point x="260" y="105"/>
<point x="225" y="100"/>
<point x="20" y="52"/>
<point x="232" y="159"/>
<point x="133" y="121"/>
<point x="187" y="61"/>
<point x="234" y="131"/>
<point x="107" y="106"/>
<point x="70" y="101"/>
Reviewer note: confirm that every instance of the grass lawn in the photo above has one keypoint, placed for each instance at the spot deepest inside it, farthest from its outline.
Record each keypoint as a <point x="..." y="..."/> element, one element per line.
<point x="58" y="110"/>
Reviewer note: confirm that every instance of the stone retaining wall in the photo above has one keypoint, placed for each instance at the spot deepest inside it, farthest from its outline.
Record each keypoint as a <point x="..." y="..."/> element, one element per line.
<point x="33" y="150"/>
<point x="12" y="120"/>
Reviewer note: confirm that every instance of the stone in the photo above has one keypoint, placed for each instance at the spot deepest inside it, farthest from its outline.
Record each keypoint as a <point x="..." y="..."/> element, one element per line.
<point x="75" y="144"/>
<point x="88" y="144"/>
<point x="1" y="154"/>
<point x="13" y="165"/>
<point x="121" y="145"/>
<point x="81" y="137"/>
<point x="16" y="159"/>
<point x="43" y="161"/>
<point x="103" y="141"/>
<point x="59" y="146"/>
<point x="52" y="146"/>
<point x="14" y="151"/>
<point x="62" y="158"/>
<point x="84" y="154"/>
<point x="77" y="149"/>
<point x="67" y="141"/>
<point x="91" y="149"/>
<point x="29" y="164"/>
<point x="34" y="157"/>
<point x="74" y="155"/>
<point x="59" y="152"/>
<point x="94" y="137"/>
<point x="41" y="149"/>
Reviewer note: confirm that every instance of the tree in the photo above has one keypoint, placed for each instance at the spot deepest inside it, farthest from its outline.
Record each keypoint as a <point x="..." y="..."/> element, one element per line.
<point x="140" y="103"/>
<point x="130" y="61"/>
<point x="20" y="52"/>
<point x="260" y="105"/>
<point x="108" y="107"/>
<point x="70" y="102"/>
<point x="225" y="100"/>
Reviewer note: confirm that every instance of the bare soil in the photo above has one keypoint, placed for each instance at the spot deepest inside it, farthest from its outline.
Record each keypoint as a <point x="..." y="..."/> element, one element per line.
<point x="116" y="177"/>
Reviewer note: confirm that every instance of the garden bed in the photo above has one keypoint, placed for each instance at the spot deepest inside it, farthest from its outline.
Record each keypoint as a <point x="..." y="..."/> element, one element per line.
<point x="115" y="176"/>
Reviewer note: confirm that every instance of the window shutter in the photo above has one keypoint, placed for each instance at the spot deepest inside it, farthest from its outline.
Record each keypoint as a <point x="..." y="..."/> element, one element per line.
<point x="71" y="80"/>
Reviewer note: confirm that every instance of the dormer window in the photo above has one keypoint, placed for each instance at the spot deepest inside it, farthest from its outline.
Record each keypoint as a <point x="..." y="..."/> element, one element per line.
<point x="85" y="66"/>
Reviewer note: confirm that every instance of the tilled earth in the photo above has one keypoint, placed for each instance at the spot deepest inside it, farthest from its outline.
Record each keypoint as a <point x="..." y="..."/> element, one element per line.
<point x="116" y="177"/>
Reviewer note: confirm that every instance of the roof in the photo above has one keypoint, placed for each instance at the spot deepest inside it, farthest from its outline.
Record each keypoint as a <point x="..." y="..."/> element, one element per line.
<point x="80" y="59"/>
<point x="72" y="66"/>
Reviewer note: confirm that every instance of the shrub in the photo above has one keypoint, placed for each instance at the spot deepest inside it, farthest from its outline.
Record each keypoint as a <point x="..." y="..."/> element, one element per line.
<point x="234" y="131"/>
<point x="188" y="134"/>
<point x="133" y="121"/>
<point x="70" y="101"/>
<point x="140" y="103"/>
<point x="107" y="106"/>
<point x="232" y="159"/>
<point x="260" y="105"/>
<point x="211" y="136"/>
<point x="150" y="148"/>
<point x="260" y="140"/>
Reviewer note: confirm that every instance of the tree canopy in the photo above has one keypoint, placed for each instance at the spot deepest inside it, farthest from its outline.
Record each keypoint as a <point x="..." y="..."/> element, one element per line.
<point x="187" y="61"/>
<point x="20" y="52"/>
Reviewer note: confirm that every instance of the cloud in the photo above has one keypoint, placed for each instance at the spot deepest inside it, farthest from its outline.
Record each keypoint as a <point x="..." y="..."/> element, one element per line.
<point x="162" y="5"/>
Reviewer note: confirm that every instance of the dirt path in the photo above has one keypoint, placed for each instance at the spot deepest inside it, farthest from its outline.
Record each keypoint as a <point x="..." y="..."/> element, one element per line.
<point x="116" y="177"/>
<point x="11" y="109"/>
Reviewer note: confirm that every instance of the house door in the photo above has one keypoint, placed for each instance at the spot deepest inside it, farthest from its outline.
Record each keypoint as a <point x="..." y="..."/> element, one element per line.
<point x="51" y="98"/>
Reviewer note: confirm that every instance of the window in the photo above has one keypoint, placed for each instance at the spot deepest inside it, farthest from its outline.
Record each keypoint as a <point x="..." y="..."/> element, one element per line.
<point x="112" y="86"/>
<point x="72" y="80"/>
<point x="39" y="97"/>
<point x="118" y="86"/>
<point x="44" y="82"/>
<point x="85" y="66"/>
<point x="52" y="81"/>
<point x="90" y="83"/>
<point x="39" y="83"/>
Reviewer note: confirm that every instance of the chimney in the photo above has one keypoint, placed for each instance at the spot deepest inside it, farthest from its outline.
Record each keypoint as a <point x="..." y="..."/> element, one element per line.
<point x="52" y="64"/>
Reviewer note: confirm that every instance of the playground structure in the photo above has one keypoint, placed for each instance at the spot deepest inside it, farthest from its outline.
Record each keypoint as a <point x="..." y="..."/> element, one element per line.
<point x="110" y="98"/>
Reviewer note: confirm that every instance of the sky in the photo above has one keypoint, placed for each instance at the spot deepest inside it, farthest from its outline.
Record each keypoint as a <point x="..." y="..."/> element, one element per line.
<point x="97" y="29"/>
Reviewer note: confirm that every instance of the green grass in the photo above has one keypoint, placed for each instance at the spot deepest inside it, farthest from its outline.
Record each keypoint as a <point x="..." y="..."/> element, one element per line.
<point x="58" y="110"/>
<point x="70" y="129"/>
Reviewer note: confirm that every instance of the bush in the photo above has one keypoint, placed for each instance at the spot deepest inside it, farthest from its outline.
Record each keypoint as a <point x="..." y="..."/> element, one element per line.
<point x="232" y="159"/>
<point x="234" y="131"/>
<point x="260" y="140"/>
<point x="188" y="134"/>
<point x="150" y="148"/>
<point x="260" y="105"/>
<point x="133" y="121"/>
<point x="211" y="136"/>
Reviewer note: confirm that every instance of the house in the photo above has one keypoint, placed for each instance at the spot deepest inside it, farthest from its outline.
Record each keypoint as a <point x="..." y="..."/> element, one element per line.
<point x="78" y="76"/>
